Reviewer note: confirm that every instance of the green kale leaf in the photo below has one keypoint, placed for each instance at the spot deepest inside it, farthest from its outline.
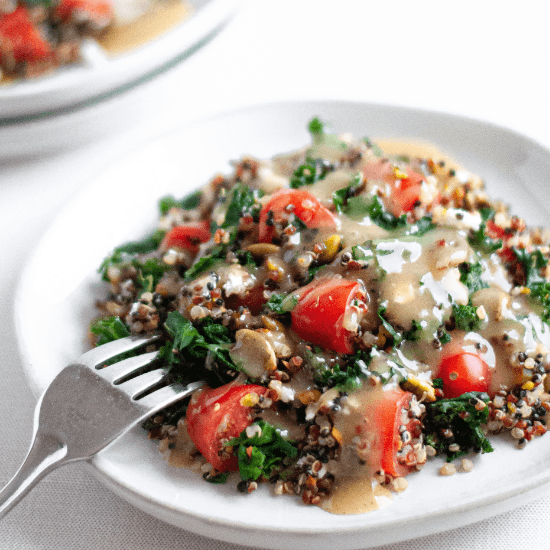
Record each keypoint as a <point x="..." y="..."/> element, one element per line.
<point x="190" y="202"/>
<point x="109" y="329"/>
<point x="312" y="171"/>
<point x="466" y="318"/>
<point x="263" y="454"/>
<point x="470" y="275"/>
<point x="457" y="421"/>
<point x="281" y="303"/>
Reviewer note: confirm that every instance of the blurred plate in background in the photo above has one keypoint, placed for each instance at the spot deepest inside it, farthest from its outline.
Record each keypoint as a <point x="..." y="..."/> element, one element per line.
<point x="117" y="61"/>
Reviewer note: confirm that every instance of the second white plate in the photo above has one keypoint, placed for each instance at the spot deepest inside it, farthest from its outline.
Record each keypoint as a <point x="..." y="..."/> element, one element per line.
<point x="56" y="295"/>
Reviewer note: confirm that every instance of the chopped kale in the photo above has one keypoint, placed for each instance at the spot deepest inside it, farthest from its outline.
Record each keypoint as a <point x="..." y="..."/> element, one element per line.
<point x="479" y="240"/>
<point x="532" y="263"/>
<point x="414" y="333"/>
<point x="466" y="318"/>
<point x="457" y="421"/>
<point x="346" y="378"/>
<point x="363" y="251"/>
<point x="340" y="197"/>
<point x="205" y="263"/>
<point x="281" y="303"/>
<point x="311" y="171"/>
<point x="437" y="383"/>
<point x="263" y="454"/>
<point x="149" y="273"/>
<point x="109" y="329"/>
<point x="470" y="275"/>
<point x="244" y="201"/>
<point x="316" y="127"/>
<point x="126" y="253"/>
<point x="218" y="479"/>
<point x="421" y="227"/>
<point x="397" y="337"/>
<point x="193" y="347"/>
<point x="190" y="202"/>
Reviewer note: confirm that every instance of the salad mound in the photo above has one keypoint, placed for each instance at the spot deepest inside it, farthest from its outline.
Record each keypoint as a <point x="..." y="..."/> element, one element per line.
<point x="353" y="315"/>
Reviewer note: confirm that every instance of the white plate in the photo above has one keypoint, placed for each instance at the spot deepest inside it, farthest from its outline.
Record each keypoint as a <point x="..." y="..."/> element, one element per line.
<point x="100" y="75"/>
<point x="55" y="301"/>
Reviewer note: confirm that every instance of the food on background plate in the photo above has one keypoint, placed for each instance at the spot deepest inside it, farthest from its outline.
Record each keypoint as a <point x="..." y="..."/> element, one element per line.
<point x="39" y="36"/>
<point x="353" y="314"/>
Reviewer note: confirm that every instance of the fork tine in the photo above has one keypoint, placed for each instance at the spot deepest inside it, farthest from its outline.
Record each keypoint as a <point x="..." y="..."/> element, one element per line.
<point x="142" y="383"/>
<point x="117" y="371"/>
<point x="163" y="397"/>
<point x="108" y="351"/>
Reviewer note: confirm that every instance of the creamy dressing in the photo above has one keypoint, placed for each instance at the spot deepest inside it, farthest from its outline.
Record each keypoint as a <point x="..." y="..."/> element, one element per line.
<point x="161" y="17"/>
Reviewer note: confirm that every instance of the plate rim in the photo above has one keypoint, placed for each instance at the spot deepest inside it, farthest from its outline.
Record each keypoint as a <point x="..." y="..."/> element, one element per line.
<point x="352" y="533"/>
<point x="77" y="86"/>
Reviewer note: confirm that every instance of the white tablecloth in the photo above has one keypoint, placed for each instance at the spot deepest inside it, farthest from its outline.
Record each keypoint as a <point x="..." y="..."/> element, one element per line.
<point x="484" y="60"/>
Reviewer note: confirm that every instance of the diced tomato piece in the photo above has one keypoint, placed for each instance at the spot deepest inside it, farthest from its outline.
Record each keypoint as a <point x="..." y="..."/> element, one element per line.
<point x="187" y="237"/>
<point x="19" y="36"/>
<point x="322" y="312"/>
<point x="386" y="419"/>
<point x="97" y="10"/>
<point x="215" y="416"/>
<point x="463" y="372"/>
<point x="405" y="193"/>
<point x="496" y="232"/>
<point x="378" y="170"/>
<point x="299" y="202"/>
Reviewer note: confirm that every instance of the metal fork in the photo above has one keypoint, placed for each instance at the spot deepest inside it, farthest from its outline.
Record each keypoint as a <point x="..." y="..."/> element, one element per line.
<point x="87" y="407"/>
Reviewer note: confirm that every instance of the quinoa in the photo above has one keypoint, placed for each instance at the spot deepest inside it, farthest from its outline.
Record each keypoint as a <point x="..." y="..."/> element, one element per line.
<point x="353" y="315"/>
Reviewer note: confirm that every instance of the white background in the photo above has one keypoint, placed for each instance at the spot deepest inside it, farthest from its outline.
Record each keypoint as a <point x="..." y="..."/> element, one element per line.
<point x="486" y="60"/>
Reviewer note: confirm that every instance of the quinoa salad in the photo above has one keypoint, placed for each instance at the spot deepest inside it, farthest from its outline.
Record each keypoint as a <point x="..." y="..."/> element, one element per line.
<point x="353" y="314"/>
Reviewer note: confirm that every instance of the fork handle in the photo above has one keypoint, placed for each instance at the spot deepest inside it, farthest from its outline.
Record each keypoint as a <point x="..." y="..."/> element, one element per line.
<point x="46" y="454"/>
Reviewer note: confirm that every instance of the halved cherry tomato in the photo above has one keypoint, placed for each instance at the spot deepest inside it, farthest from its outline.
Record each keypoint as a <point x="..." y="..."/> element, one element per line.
<point x="405" y="193"/>
<point x="96" y="10"/>
<point x="214" y="416"/>
<point x="187" y="237"/>
<point x="388" y="419"/>
<point x="320" y="314"/>
<point x="19" y="36"/>
<point x="463" y="372"/>
<point x="302" y="204"/>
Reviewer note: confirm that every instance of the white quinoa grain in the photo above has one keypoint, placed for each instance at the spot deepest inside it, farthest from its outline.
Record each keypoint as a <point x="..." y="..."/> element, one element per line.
<point x="447" y="470"/>
<point x="467" y="465"/>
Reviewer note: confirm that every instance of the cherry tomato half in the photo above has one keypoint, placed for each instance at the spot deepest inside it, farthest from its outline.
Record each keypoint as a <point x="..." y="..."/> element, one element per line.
<point x="299" y="202"/>
<point x="320" y="314"/>
<point x="388" y="418"/>
<point x="187" y="237"/>
<point x="405" y="193"/>
<point x="462" y="373"/>
<point x="214" y="416"/>
<point x="19" y="35"/>
<point x="97" y="10"/>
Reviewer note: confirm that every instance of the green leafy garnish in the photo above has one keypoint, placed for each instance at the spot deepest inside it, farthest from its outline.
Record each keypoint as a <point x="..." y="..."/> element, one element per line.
<point x="207" y="340"/>
<point x="190" y="202"/>
<point x="532" y="264"/>
<point x="126" y="253"/>
<point x="414" y="333"/>
<point x="460" y="421"/>
<point x="466" y="317"/>
<point x="109" y="329"/>
<point x="312" y="171"/>
<point x="281" y="303"/>
<point x="479" y="240"/>
<point x="243" y="201"/>
<point x="470" y="275"/>
<point x="371" y="145"/>
<point x="346" y="378"/>
<point x="340" y="197"/>
<point x="264" y="453"/>
<point x="397" y="337"/>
